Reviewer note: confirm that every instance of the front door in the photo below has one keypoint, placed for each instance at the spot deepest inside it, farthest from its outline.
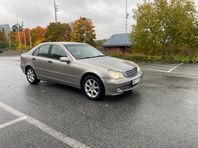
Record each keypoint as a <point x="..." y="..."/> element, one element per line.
<point x="61" y="71"/>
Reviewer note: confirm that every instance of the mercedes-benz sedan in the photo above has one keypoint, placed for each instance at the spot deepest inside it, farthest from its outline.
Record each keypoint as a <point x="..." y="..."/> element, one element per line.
<point x="82" y="66"/>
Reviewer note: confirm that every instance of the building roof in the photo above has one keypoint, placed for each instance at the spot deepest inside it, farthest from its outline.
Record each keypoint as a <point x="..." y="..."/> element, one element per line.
<point x="118" y="40"/>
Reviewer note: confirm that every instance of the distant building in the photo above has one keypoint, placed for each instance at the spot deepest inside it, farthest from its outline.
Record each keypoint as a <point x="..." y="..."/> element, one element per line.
<point x="6" y="29"/>
<point x="118" y="42"/>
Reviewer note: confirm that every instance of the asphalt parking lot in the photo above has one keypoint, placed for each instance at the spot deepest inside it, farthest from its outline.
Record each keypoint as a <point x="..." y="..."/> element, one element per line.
<point x="161" y="112"/>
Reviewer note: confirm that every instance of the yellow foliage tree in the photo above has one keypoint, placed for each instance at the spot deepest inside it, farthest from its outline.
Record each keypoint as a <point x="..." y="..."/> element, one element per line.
<point x="83" y="31"/>
<point x="57" y="32"/>
<point x="38" y="35"/>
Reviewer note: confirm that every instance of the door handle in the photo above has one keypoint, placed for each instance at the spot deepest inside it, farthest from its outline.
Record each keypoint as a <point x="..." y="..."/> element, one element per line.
<point x="34" y="59"/>
<point x="50" y="62"/>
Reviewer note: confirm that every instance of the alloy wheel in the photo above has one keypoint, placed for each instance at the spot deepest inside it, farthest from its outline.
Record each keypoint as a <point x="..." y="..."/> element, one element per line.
<point x="92" y="88"/>
<point x="31" y="75"/>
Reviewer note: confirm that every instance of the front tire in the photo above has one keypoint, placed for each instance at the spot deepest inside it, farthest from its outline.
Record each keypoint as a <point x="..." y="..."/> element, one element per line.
<point x="31" y="76"/>
<point x="93" y="88"/>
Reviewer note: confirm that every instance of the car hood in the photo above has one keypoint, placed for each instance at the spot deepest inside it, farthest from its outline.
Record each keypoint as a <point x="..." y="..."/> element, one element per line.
<point x="110" y="63"/>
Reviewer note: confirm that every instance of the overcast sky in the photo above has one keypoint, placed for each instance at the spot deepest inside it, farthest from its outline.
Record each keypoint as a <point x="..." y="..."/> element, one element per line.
<point x="108" y="16"/>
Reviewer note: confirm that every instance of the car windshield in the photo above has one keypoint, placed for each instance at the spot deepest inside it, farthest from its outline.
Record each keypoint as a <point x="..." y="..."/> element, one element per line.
<point x="83" y="51"/>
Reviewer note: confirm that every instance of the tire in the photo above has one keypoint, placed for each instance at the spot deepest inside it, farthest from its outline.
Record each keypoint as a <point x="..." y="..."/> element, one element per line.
<point x="93" y="88"/>
<point x="31" y="76"/>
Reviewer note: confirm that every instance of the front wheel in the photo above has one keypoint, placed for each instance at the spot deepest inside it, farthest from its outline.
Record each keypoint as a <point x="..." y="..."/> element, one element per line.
<point x="31" y="76"/>
<point x="93" y="88"/>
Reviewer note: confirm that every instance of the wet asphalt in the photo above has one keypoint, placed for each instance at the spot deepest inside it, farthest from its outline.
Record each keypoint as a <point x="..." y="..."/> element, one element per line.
<point x="161" y="112"/>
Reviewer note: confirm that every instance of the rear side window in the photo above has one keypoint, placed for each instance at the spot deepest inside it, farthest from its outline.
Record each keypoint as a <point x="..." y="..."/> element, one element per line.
<point x="57" y="52"/>
<point x="43" y="51"/>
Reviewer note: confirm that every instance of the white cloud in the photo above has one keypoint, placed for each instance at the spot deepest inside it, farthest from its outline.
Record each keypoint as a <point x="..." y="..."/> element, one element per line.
<point x="108" y="16"/>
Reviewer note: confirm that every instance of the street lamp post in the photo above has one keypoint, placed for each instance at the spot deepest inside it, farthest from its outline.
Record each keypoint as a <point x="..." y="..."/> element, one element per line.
<point x="55" y="10"/>
<point x="127" y="16"/>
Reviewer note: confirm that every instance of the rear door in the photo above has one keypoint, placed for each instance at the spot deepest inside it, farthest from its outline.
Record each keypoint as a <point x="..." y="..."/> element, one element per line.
<point x="40" y="61"/>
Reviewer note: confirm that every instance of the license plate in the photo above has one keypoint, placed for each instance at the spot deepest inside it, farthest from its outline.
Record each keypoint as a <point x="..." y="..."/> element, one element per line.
<point x="136" y="81"/>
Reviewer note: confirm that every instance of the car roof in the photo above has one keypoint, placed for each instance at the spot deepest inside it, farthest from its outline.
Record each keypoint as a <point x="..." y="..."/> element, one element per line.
<point x="63" y="43"/>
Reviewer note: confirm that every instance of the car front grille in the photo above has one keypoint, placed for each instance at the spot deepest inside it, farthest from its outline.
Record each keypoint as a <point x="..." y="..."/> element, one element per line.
<point x="131" y="73"/>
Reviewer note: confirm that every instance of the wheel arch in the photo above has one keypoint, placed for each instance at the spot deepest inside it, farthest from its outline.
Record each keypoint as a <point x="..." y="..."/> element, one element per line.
<point x="90" y="74"/>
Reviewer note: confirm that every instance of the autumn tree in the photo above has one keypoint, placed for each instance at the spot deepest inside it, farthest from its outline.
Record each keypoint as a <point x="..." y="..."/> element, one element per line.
<point x="58" y="32"/>
<point x="13" y="38"/>
<point x="2" y="37"/>
<point x="38" y="35"/>
<point x="164" y="26"/>
<point x="83" y="31"/>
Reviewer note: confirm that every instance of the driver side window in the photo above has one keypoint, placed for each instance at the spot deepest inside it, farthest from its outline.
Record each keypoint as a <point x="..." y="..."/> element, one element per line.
<point x="57" y="52"/>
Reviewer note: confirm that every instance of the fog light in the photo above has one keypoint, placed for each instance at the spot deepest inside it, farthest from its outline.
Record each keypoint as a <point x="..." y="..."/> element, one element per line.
<point x="119" y="90"/>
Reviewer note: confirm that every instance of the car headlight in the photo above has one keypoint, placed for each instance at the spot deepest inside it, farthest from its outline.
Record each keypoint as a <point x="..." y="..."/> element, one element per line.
<point x="116" y="74"/>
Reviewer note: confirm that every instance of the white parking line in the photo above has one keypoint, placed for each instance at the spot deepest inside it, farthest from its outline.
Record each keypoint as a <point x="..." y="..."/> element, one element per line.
<point x="159" y="70"/>
<point x="175" y="67"/>
<point x="161" y="65"/>
<point x="12" y="122"/>
<point x="152" y="69"/>
<point x="67" y="140"/>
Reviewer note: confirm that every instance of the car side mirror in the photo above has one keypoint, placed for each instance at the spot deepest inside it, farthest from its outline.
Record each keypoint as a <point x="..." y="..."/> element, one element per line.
<point x="65" y="59"/>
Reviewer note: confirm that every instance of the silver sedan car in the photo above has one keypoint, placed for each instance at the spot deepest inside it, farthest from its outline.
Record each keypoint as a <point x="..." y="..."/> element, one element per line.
<point x="82" y="66"/>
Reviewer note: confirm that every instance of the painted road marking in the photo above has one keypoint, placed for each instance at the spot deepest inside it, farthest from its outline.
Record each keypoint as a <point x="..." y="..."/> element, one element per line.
<point x="158" y="68"/>
<point x="161" y="66"/>
<point x="175" y="67"/>
<point x="58" y="135"/>
<point x="152" y="69"/>
<point x="176" y="73"/>
<point x="12" y="122"/>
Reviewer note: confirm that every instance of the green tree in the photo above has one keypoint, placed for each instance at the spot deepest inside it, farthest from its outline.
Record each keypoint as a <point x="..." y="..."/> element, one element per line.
<point x="3" y="40"/>
<point x="99" y="44"/>
<point x="164" y="26"/>
<point x="17" y="27"/>
<point x="196" y="37"/>
<point x="83" y="31"/>
<point x="58" y="32"/>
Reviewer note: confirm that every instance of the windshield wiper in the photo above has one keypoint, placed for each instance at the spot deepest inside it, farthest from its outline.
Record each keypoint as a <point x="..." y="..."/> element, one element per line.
<point x="100" y="56"/>
<point x="93" y="57"/>
<point x="86" y="58"/>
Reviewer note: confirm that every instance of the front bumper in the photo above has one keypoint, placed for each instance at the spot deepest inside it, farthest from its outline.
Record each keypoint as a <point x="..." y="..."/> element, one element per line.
<point x="117" y="87"/>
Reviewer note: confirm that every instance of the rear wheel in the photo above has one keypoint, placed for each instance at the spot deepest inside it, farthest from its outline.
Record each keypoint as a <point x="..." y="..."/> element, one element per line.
<point x="31" y="76"/>
<point x="93" y="88"/>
